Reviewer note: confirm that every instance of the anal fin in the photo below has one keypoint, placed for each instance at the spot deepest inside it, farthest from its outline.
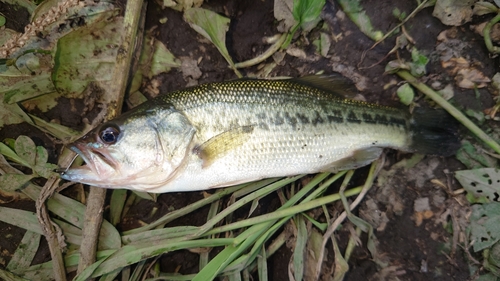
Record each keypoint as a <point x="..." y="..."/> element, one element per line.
<point x="358" y="158"/>
<point x="221" y="144"/>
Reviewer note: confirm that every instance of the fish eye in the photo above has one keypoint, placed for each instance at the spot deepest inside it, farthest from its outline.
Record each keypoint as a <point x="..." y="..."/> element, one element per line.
<point x="109" y="134"/>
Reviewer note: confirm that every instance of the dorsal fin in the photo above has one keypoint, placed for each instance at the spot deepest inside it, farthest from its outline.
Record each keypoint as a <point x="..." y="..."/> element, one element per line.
<point x="332" y="83"/>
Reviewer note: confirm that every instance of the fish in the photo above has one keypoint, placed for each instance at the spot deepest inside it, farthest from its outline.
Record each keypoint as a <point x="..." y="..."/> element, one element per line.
<point x="225" y="133"/>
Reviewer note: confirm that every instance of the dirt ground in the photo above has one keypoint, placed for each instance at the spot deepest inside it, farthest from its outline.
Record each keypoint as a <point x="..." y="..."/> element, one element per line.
<point x="416" y="244"/>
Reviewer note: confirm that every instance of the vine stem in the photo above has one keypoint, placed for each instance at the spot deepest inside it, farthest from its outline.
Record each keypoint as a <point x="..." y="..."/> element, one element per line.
<point x="487" y="36"/>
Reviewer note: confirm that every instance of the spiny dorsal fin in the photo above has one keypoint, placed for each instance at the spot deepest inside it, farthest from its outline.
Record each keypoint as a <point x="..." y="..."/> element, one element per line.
<point x="221" y="144"/>
<point x="334" y="83"/>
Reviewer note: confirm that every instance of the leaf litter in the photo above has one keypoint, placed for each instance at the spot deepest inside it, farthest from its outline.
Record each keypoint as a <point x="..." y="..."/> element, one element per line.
<point x="300" y="44"/>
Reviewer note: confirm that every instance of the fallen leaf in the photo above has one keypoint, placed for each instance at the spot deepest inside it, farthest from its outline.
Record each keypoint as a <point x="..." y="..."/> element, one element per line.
<point x="482" y="8"/>
<point x="211" y="26"/>
<point x="405" y="93"/>
<point x="453" y="65"/>
<point x="453" y="12"/>
<point x="283" y="13"/>
<point x="87" y="55"/>
<point x="189" y="68"/>
<point x="163" y="60"/>
<point x="481" y="182"/>
<point x="182" y="5"/>
<point x="484" y="225"/>
<point x="471" y="78"/>
<point x="447" y="92"/>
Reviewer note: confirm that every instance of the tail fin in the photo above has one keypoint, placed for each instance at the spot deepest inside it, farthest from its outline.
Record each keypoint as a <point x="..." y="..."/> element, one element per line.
<point x="434" y="132"/>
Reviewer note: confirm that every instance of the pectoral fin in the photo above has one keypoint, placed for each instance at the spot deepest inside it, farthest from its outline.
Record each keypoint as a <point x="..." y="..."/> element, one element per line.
<point x="221" y="144"/>
<point x="358" y="158"/>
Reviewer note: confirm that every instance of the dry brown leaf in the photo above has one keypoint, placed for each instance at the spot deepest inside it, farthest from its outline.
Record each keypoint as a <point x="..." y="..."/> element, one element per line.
<point x="470" y="78"/>
<point x="454" y="65"/>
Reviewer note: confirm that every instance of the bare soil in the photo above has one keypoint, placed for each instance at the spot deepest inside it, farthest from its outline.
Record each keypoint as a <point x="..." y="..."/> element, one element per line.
<point x="413" y="251"/>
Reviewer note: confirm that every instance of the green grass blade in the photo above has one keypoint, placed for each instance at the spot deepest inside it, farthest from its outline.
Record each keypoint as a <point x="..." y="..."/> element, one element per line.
<point x="262" y="265"/>
<point x="131" y="254"/>
<point x="116" y="204"/>
<point x="8" y="276"/>
<point x="25" y="252"/>
<point x="300" y="247"/>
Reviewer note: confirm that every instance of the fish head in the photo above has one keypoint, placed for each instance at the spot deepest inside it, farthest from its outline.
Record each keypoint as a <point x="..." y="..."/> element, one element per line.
<point x="138" y="151"/>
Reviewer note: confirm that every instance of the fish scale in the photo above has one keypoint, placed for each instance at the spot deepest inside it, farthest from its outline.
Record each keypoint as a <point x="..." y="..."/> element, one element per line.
<point x="224" y="133"/>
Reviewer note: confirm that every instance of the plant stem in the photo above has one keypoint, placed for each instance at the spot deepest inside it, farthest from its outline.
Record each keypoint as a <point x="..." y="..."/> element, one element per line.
<point x="269" y="52"/>
<point x="487" y="35"/>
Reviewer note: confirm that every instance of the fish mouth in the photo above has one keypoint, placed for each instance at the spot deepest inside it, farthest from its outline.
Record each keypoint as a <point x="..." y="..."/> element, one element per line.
<point x="99" y="165"/>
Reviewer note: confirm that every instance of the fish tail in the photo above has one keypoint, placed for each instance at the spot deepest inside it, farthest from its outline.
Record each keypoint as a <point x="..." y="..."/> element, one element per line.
<point x="434" y="132"/>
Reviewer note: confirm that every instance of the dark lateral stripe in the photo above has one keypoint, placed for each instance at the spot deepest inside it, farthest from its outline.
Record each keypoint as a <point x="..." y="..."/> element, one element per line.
<point x="398" y="121"/>
<point x="317" y="119"/>
<point x="368" y="118"/>
<point x="290" y="120"/>
<point x="335" y="119"/>
<point x="352" y="118"/>
<point x="381" y="119"/>
<point x="302" y="118"/>
<point x="337" y="113"/>
<point x="278" y="120"/>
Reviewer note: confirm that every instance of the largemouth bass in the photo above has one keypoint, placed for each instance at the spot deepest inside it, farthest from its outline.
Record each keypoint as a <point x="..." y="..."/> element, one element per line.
<point x="226" y="133"/>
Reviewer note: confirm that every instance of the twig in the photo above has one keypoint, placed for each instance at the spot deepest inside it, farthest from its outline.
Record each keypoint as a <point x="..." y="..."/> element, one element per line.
<point x="48" y="228"/>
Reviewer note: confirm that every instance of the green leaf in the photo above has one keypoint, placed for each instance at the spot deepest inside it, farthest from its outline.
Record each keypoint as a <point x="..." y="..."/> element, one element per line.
<point x="59" y="131"/>
<point x="2" y="20"/>
<point x="12" y="182"/>
<point x="86" y="55"/>
<point x="419" y="63"/>
<point x="46" y="170"/>
<point x="481" y="182"/>
<point x="11" y="113"/>
<point x="163" y="60"/>
<point x="356" y="13"/>
<point x="474" y="158"/>
<point x="9" y="153"/>
<point x="41" y="155"/>
<point x="484" y="225"/>
<point x="406" y="94"/>
<point x="26" y="149"/>
<point x="5" y="35"/>
<point x="18" y="82"/>
<point x="213" y="27"/>
<point x="307" y="12"/>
